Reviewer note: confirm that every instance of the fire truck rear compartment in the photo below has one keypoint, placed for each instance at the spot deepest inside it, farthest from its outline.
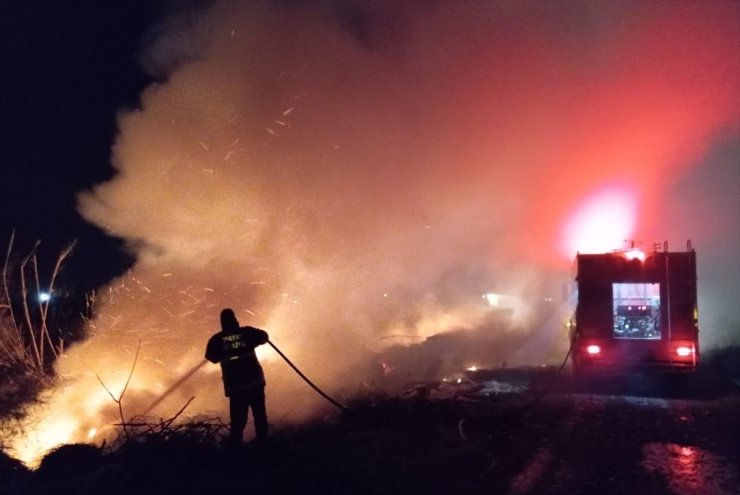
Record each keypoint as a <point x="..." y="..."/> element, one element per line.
<point x="636" y="313"/>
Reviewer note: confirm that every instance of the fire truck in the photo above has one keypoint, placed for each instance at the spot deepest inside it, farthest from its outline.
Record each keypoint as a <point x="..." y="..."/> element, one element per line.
<point x="636" y="311"/>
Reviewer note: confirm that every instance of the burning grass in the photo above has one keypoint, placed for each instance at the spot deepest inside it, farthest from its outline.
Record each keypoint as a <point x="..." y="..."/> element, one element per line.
<point x="29" y="345"/>
<point x="380" y="444"/>
<point x="467" y="442"/>
<point x="382" y="447"/>
<point x="19" y="390"/>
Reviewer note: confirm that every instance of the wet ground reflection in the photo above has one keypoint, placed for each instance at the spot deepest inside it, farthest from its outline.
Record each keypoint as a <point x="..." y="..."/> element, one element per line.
<point x="691" y="470"/>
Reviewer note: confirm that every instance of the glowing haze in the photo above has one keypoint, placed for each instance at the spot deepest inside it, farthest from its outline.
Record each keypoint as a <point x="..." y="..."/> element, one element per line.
<point x="351" y="175"/>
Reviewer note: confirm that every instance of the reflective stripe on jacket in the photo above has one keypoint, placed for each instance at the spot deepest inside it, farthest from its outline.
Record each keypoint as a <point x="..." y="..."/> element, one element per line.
<point x="235" y="352"/>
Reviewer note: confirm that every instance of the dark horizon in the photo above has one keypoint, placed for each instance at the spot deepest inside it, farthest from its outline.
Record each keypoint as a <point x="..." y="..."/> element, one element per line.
<point x="71" y="68"/>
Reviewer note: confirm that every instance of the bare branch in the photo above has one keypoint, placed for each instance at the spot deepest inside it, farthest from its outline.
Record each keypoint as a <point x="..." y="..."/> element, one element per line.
<point x="26" y="312"/>
<point x="131" y="373"/>
<point x="6" y="288"/>
<point x="42" y="311"/>
<point x="17" y="345"/>
<point x="23" y="339"/>
<point x="120" y="397"/>
<point x="107" y="389"/>
<point x="173" y="418"/>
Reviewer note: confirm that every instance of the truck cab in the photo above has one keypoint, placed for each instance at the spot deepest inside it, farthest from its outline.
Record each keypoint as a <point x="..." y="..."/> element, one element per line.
<point x="636" y="311"/>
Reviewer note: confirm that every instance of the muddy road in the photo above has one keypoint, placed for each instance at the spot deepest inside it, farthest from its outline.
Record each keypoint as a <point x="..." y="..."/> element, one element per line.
<point x="613" y="435"/>
<point x="512" y="432"/>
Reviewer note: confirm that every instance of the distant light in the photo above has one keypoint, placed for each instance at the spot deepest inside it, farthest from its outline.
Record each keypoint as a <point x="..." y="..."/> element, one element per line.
<point x="44" y="297"/>
<point x="593" y="349"/>
<point x="473" y="368"/>
<point x="493" y="299"/>
<point x="635" y="254"/>
<point x="684" y="351"/>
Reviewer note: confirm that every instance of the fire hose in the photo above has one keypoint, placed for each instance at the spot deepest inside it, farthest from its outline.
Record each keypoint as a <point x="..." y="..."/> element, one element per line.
<point x="305" y="378"/>
<point x="195" y="368"/>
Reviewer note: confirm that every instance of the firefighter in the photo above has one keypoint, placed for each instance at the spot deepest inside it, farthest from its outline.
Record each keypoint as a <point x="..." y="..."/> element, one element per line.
<point x="244" y="381"/>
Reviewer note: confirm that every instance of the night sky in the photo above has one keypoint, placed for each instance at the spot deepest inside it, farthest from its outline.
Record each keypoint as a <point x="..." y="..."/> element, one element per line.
<point x="69" y="67"/>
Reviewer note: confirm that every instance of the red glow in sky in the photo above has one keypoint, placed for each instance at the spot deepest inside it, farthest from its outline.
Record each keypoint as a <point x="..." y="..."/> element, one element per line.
<point x="601" y="223"/>
<point x="649" y="111"/>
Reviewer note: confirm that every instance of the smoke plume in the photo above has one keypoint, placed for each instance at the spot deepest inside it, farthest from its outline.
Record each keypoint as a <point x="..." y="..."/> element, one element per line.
<point x="356" y="176"/>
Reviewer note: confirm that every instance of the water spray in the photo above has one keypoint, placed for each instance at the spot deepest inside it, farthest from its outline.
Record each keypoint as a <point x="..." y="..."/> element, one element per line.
<point x="198" y="366"/>
<point x="179" y="382"/>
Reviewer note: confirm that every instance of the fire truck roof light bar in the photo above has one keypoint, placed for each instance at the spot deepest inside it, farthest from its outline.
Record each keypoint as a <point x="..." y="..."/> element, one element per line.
<point x="635" y="254"/>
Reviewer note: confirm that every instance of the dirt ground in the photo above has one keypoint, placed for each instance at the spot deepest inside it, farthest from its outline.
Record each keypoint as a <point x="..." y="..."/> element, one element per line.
<point x="501" y="431"/>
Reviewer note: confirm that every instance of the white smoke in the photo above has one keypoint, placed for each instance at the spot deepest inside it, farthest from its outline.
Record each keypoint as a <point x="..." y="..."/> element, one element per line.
<point x="355" y="175"/>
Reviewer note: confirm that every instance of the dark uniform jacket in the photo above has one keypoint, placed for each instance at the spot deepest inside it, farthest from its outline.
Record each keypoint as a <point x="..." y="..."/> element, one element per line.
<point x="239" y="365"/>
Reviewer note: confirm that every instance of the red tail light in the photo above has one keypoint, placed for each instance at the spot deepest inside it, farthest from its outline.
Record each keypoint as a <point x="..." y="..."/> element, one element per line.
<point x="684" y="351"/>
<point x="593" y="350"/>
